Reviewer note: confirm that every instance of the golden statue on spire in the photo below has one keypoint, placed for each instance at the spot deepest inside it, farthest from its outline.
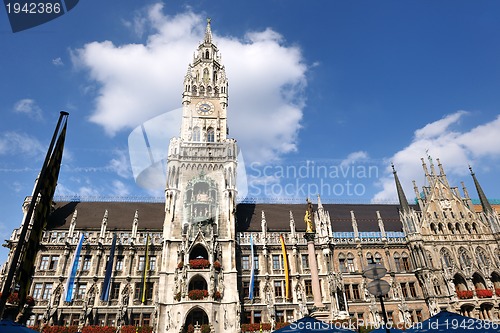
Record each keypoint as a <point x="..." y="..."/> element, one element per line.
<point x="308" y="218"/>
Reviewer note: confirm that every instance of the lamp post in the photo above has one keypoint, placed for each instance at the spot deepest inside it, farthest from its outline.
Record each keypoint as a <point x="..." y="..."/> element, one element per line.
<point x="378" y="287"/>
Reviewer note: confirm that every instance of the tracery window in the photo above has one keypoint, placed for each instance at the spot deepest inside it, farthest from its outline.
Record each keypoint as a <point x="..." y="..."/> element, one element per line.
<point x="465" y="260"/>
<point x="196" y="134"/>
<point x="210" y="135"/>
<point x="446" y="258"/>
<point x="482" y="257"/>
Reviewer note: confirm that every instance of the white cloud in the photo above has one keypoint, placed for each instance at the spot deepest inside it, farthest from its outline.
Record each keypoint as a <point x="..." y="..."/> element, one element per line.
<point x="86" y="190"/>
<point x="354" y="157"/>
<point x="57" y="62"/>
<point x="455" y="149"/>
<point x="436" y="129"/>
<point x="120" y="189"/>
<point x="28" y="107"/>
<point x="13" y="143"/>
<point x="120" y="164"/>
<point x="137" y="82"/>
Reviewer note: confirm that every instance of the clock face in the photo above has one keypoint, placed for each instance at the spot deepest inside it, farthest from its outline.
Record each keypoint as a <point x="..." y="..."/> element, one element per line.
<point x="205" y="108"/>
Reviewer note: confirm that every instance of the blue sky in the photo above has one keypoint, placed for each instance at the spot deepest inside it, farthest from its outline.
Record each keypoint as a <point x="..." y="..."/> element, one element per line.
<point x="345" y="86"/>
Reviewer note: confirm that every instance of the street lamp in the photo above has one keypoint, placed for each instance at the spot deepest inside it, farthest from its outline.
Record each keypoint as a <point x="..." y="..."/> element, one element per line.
<point x="378" y="287"/>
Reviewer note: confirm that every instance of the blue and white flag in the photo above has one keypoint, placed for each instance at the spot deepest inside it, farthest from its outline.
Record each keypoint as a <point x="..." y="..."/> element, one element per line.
<point x="109" y="269"/>
<point x="70" y="284"/>
<point x="252" y="268"/>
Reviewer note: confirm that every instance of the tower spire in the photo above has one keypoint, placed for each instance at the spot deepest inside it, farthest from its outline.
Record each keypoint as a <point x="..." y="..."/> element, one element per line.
<point x="208" y="32"/>
<point x="401" y="195"/>
<point x="487" y="209"/>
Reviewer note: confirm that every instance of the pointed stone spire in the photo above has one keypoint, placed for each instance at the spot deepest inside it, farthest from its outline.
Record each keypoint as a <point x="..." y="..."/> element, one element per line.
<point x="431" y="163"/>
<point x="72" y="225"/>
<point x="442" y="175"/>
<point x="263" y="224"/>
<point x="467" y="199"/>
<point x="104" y="224"/>
<point x="415" y="189"/>
<point x="135" y="224"/>
<point x="320" y="205"/>
<point x="487" y="209"/>
<point x="403" y="202"/>
<point x="426" y="171"/>
<point x="208" y="32"/>
<point x="381" y="226"/>
<point x="292" y="225"/>
<point x="354" y="226"/>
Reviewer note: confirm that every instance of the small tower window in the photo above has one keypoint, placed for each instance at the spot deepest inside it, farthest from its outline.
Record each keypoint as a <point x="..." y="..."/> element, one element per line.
<point x="206" y="75"/>
<point x="196" y="134"/>
<point x="210" y="135"/>
<point x="207" y="55"/>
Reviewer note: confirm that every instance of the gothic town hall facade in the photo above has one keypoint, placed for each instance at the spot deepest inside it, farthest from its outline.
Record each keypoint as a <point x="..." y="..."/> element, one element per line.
<point x="188" y="261"/>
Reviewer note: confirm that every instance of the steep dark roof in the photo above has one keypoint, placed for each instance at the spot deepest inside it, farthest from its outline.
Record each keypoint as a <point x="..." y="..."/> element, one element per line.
<point x="151" y="216"/>
<point x="120" y="215"/>
<point x="278" y="216"/>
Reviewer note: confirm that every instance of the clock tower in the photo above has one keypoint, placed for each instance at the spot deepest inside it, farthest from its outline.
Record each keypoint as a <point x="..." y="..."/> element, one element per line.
<point x="205" y="95"/>
<point x="198" y="278"/>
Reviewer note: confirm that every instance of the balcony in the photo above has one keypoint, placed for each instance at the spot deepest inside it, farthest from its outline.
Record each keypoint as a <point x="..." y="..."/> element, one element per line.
<point x="484" y="293"/>
<point x="199" y="263"/>
<point x="465" y="294"/>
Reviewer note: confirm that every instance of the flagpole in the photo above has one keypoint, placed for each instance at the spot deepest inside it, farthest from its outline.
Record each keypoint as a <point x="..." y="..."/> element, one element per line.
<point x="7" y="287"/>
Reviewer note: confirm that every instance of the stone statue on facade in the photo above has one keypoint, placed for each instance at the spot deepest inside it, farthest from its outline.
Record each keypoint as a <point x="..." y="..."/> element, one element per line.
<point x="433" y="306"/>
<point x="308" y="217"/>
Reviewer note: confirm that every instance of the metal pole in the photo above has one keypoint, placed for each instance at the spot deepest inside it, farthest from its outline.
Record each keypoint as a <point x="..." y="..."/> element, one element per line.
<point x="384" y="314"/>
<point x="7" y="287"/>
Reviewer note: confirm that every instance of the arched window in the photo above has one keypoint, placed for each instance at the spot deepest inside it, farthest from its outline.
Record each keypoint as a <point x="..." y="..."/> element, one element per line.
<point x="206" y="76"/>
<point x="446" y="258"/>
<point x="397" y="262"/>
<point x="495" y="279"/>
<point x="478" y="281"/>
<point x="351" y="267"/>
<point x="197" y="283"/>
<point x="196" y="134"/>
<point x="210" y="135"/>
<point x="450" y="228"/>
<point x="429" y="258"/>
<point x="378" y="258"/>
<point x="369" y="259"/>
<point x="464" y="257"/>
<point x="482" y="257"/>
<point x="342" y="263"/>
<point x="207" y="55"/>
<point x="457" y="228"/>
<point x="405" y="260"/>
